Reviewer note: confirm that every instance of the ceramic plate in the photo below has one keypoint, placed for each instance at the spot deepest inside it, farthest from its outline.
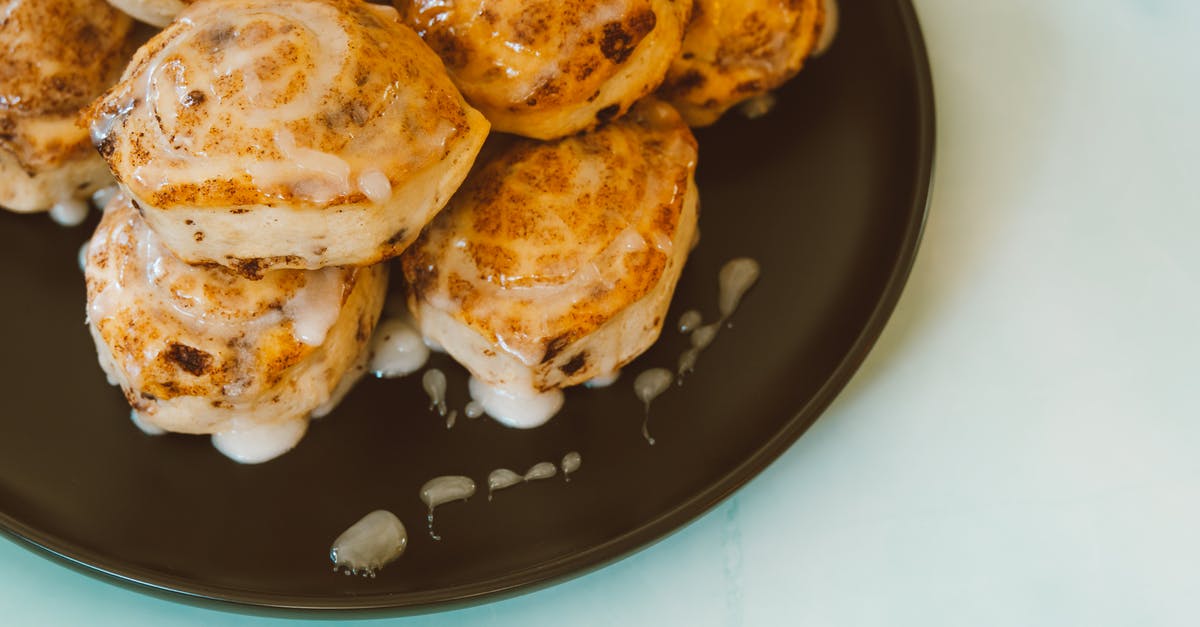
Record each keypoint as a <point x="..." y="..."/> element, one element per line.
<point x="828" y="192"/>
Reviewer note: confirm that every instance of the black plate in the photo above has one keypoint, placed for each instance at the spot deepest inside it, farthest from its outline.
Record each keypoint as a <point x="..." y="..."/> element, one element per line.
<point x="828" y="192"/>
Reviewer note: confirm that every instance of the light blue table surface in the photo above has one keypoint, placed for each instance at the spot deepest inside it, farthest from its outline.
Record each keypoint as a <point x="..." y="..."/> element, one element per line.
<point x="1022" y="447"/>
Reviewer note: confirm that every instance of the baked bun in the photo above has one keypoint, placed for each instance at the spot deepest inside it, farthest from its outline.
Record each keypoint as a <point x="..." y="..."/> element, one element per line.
<point x="56" y="56"/>
<point x="204" y="350"/>
<point x="548" y="69"/>
<point x="261" y="135"/>
<point x="734" y="51"/>
<point x="556" y="262"/>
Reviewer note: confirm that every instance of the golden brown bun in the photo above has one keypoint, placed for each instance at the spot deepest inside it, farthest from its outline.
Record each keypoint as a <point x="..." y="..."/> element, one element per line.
<point x="737" y="50"/>
<point x="259" y="134"/>
<point x="56" y="56"/>
<point x="556" y="261"/>
<point x="202" y="349"/>
<point x="547" y="69"/>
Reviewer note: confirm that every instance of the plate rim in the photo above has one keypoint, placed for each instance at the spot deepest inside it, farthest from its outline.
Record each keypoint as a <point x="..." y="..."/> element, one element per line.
<point x="592" y="558"/>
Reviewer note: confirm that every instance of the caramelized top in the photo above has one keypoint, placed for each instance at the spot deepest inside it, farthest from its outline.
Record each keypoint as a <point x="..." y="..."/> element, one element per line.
<point x="527" y="56"/>
<point x="548" y="241"/>
<point x="258" y="102"/>
<point x="182" y="330"/>
<point x="56" y="56"/>
<point x="735" y="50"/>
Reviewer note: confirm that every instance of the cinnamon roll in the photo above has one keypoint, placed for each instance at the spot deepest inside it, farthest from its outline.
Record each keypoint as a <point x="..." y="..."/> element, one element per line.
<point x="201" y="349"/>
<point x="734" y="51"/>
<point x="56" y="56"/>
<point x="259" y="135"/>
<point x="547" y="69"/>
<point x="556" y="262"/>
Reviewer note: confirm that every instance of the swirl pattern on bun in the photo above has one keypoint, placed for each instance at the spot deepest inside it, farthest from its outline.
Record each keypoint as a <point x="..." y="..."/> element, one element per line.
<point x="56" y="56"/>
<point x="259" y="135"/>
<point x="556" y="262"/>
<point x="547" y="69"/>
<point x="734" y="51"/>
<point x="205" y="350"/>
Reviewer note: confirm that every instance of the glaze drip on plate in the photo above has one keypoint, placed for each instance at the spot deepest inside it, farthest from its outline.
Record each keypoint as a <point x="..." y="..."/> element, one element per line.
<point x="369" y="544"/>
<point x="441" y="490"/>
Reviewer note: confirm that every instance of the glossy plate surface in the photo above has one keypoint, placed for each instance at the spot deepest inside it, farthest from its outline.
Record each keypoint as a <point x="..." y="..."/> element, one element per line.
<point x="828" y="192"/>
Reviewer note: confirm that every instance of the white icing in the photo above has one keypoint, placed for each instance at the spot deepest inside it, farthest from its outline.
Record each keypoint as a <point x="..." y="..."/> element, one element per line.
<point x="541" y="470"/>
<point x="69" y="212"/>
<point x="103" y="196"/>
<point x="603" y="380"/>
<point x="735" y="278"/>
<point x="571" y="463"/>
<point x="703" y="336"/>
<point x="690" y="320"/>
<point x="648" y="386"/>
<point x="81" y="256"/>
<point x="442" y="490"/>
<point x="255" y="444"/>
<point x="369" y="544"/>
<point x="473" y="410"/>
<point x="347" y="383"/>
<point x="757" y="106"/>
<point x="315" y="307"/>
<point x="518" y="408"/>
<point x="434" y="383"/>
<point x="375" y="185"/>
<point x="502" y="478"/>
<point x="143" y="425"/>
<point x="830" y="29"/>
<point x="397" y="349"/>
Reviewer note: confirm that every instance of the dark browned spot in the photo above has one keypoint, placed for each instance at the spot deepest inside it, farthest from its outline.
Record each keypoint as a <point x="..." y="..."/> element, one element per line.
<point x="217" y="36"/>
<point x="190" y="359"/>
<point x="148" y="396"/>
<point x="554" y="347"/>
<point x="397" y="237"/>
<point x="198" y="236"/>
<point x="361" y="334"/>
<point x="249" y="268"/>
<point x="106" y="146"/>
<point x="748" y="86"/>
<point x="691" y="79"/>
<point x="619" y="39"/>
<point x="573" y="366"/>
<point x="193" y="98"/>
<point x="607" y="113"/>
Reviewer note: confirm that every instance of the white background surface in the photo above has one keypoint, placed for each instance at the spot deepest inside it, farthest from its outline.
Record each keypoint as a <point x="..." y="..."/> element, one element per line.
<point x="1021" y="447"/>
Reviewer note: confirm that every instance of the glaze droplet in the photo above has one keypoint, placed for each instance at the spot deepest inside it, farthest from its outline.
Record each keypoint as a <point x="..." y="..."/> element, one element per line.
<point x="255" y="444"/>
<point x="442" y="490"/>
<point x="502" y="478"/>
<point x="369" y="544"/>
<point x="521" y="408"/>
<point x="397" y="349"/>
<point x="473" y="410"/>
<point x="690" y="320"/>
<point x="570" y="463"/>
<point x="146" y="427"/>
<point x="542" y="470"/>
<point x="648" y="386"/>
<point x="434" y="383"/>
<point x="602" y="381"/>
<point x="69" y="212"/>
<point x="735" y="279"/>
